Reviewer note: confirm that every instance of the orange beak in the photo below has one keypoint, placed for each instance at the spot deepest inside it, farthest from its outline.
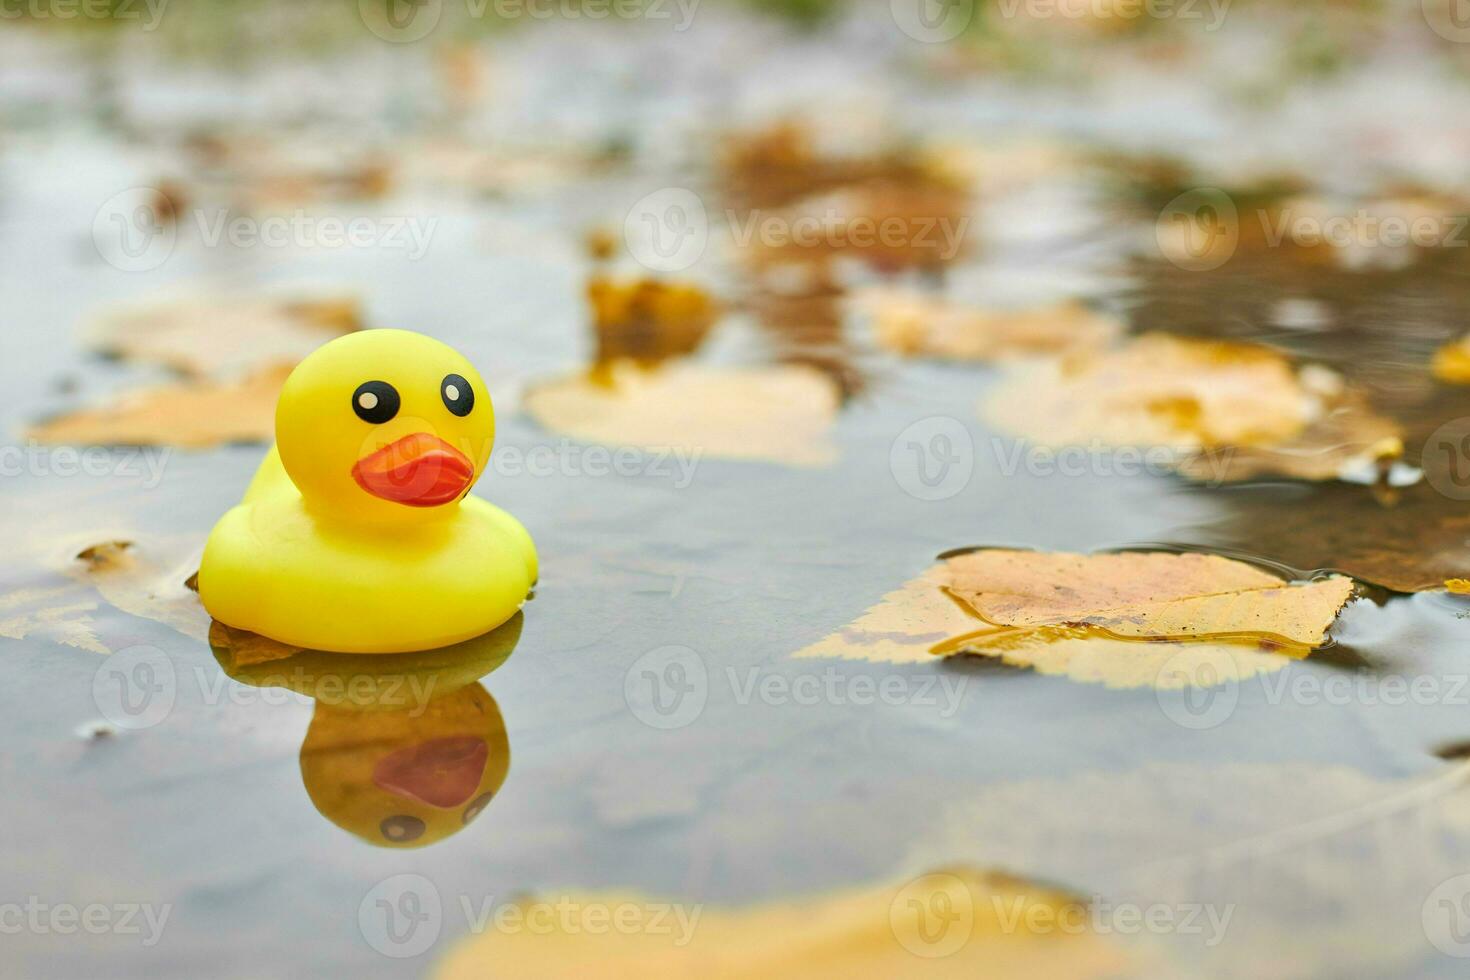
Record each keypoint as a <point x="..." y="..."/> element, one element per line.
<point x="442" y="772"/>
<point x="420" y="470"/>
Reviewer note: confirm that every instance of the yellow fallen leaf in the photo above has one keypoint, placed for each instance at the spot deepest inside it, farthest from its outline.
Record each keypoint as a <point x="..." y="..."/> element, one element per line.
<point x="1458" y="586"/>
<point x="1227" y="411"/>
<point x="904" y="627"/>
<point x="952" y="922"/>
<point x="1452" y="362"/>
<point x="188" y="414"/>
<point x="777" y="413"/>
<point x="1156" y="390"/>
<point x="224" y="336"/>
<point x="1092" y="656"/>
<point x="916" y="325"/>
<point x="1124" y="620"/>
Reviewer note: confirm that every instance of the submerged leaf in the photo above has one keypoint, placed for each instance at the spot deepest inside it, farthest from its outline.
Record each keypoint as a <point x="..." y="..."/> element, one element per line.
<point x="220" y="336"/>
<point x="953" y="922"/>
<point x="189" y="414"/>
<point x="916" y="325"/>
<point x="62" y="614"/>
<point x="778" y="413"/>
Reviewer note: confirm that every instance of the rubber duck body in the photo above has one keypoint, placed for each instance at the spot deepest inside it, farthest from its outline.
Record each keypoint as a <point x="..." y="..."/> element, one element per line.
<point x="357" y="533"/>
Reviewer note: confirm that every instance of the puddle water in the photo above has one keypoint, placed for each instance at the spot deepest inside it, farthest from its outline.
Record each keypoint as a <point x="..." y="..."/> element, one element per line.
<point x="664" y="739"/>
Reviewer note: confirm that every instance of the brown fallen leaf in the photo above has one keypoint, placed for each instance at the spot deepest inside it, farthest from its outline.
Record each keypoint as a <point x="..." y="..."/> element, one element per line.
<point x="777" y="413"/>
<point x="220" y="336"/>
<point x="648" y="320"/>
<point x="888" y="226"/>
<point x="1131" y="619"/>
<point x="916" y="325"/>
<point x="952" y="922"/>
<point x="188" y="414"/>
<point x="1140" y="594"/>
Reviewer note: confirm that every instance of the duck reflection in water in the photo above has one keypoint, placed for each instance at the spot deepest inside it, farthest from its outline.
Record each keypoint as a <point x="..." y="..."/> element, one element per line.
<point x="403" y="750"/>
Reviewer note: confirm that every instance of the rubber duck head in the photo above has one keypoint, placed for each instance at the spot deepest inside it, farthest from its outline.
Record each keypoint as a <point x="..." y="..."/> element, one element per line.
<point x="384" y="425"/>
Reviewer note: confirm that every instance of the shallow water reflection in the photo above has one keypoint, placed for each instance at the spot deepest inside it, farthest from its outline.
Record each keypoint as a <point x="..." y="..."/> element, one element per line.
<point x="403" y="750"/>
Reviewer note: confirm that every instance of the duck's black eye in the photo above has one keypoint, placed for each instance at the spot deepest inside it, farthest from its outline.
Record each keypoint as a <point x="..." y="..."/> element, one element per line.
<point x="458" y="396"/>
<point x="401" y="828"/>
<point x="375" y="401"/>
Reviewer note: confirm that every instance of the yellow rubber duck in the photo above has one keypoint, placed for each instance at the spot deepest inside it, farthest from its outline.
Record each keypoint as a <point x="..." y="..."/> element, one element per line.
<point x="357" y="533"/>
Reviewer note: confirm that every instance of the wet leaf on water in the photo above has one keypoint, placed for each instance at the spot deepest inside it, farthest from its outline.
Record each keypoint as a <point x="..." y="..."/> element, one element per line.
<point x="648" y="320"/>
<point x="61" y="614"/>
<point x="148" y="579"/>
<point x="1224" y="411"/>
<point x="1140" y="594"/>
<point x="917" y="325"/>
<point x="189" y="414"/>
<point x="997" y="926"/>
<point x="777" y="413"/>
<point x="219" y="336"/>
<point x="1125" y="620"/>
